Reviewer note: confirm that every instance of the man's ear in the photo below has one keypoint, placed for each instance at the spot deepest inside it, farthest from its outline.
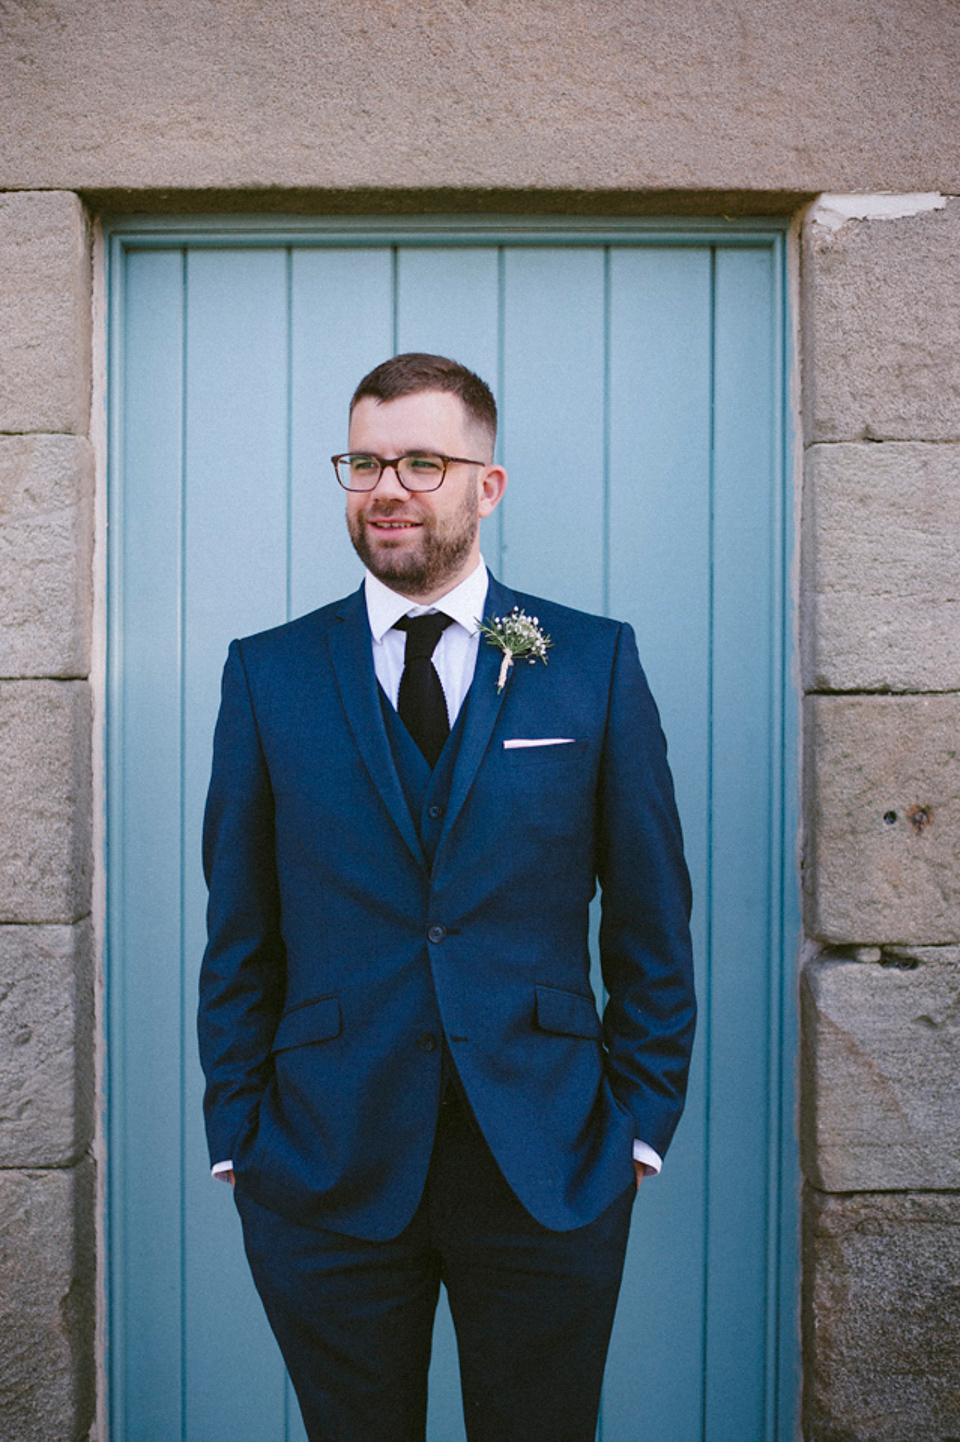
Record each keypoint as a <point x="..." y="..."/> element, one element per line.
<point x="493" y="483"/>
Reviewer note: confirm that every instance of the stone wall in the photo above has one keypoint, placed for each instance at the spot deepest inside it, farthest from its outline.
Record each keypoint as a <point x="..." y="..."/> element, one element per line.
<point x="881" y="670"/>
<point x="47" y="1183"/>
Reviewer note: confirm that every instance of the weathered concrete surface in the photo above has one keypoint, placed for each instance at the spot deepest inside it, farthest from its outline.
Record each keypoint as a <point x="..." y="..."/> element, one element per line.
<point x="45" y="307"/>
<point x="882" y="1318"/>
<point x="46" y="545"/>
<point x="47" y="1279"/>
<point x="671" y="94"/>
<point x="45" y="821"/>
<point x="881" y="1072"/>
<point x="880" y="316"/>
<point x="882" y="819"/>
<point x="881" y="567"/>
<point x="46" y="1044"/>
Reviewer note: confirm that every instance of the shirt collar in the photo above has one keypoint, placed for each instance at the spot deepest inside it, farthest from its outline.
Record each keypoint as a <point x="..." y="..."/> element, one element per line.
<point x="464" y="603"/>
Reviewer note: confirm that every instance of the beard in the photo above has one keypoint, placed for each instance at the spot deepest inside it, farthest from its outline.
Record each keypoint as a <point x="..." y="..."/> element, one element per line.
<point x="439" y="551"/>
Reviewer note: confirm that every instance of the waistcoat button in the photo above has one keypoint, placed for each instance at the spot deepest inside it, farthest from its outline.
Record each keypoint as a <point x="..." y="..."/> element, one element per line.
<point x="426" y="1041"/>
<point x="435" y="811"/>
<point x="436" y="934"/>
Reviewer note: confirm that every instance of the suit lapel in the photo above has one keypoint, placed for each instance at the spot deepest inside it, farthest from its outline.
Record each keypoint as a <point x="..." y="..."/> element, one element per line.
<point x="352" y="656"/>
<point x="483" y="708"/>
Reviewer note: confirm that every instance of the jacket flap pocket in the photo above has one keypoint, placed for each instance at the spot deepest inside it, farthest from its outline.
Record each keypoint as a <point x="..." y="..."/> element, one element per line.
<point x="567" y="1012"/>
<point x="314" y="1021"/>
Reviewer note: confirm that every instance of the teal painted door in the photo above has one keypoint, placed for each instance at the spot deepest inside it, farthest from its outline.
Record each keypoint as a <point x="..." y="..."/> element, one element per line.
<point x="641" y="381"/>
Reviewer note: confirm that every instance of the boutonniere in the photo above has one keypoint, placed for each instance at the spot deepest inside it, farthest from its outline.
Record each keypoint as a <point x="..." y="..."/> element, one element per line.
<point x="519" y="637"/>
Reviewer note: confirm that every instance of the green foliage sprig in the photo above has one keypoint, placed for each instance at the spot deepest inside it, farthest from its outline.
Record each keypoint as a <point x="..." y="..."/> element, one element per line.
<point x="518" y="636"/>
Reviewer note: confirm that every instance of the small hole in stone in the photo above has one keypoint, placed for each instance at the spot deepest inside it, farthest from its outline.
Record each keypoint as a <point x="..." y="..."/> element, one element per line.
<point x="902" y="963"/>
<point x="890" y="817"/>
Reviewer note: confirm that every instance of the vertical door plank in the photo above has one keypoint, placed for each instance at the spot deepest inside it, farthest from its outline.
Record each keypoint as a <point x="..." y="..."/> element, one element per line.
<point x="743" y="972"/>
<point x="447" y="300"/>
<point x="235" y="582"/>
<point x="145" y="969"/>
<point x="553" y="423"/>
<point x="448" y="304"/>
<point x="342" y="326"/>
<point x="659" y="545"/>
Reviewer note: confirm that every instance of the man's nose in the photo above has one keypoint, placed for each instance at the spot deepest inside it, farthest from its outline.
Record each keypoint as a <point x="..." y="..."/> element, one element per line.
<point x="389" y="485"/>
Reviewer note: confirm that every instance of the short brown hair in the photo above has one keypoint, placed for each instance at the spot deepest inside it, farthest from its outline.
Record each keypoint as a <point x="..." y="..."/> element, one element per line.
<point x="405" y="375"/>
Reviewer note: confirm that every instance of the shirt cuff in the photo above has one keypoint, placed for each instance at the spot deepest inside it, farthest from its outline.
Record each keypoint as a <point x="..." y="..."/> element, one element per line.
<point x="650" y="1159"/>
<point x="219" y="1169"/>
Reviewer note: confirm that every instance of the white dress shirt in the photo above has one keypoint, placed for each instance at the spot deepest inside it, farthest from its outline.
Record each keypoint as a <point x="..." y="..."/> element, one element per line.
<point x="455" y="655"/>
<point x="455" y="659"/>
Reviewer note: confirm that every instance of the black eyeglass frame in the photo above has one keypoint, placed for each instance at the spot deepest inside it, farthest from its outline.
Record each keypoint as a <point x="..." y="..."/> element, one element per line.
<point x="395" y="466"/>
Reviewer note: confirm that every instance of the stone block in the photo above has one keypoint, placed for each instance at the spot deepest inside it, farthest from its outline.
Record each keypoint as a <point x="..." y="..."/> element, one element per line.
<point x="47" y="1289"/>
<point x="880" y="316"/>
<point x="46" y="554"/>
<point x="46" y="1044"/>
<point x="45" y="782"/>
<point x="882" y="819"/>
<point x="881" y="567"/>
<point x="882" y="1317"/>
<point x="45" y="313"/>
<point x="586" y="96"/>
<point x="881" y="1072"/>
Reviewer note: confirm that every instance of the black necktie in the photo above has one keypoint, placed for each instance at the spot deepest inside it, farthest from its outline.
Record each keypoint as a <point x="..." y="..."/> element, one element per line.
<point x="420" y="701"/>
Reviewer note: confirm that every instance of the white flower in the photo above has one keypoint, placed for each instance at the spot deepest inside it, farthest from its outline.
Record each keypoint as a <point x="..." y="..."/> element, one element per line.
<point x="518" y="636"/>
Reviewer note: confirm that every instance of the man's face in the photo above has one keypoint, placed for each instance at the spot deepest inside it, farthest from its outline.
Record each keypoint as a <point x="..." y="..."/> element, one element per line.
<point x="423" y="543"/>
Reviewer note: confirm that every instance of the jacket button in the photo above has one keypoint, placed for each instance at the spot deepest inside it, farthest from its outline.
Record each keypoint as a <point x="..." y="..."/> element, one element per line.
<point x="435" y="811"/>
<point x="426" y="1041"/>
<point x="436" y="934"/>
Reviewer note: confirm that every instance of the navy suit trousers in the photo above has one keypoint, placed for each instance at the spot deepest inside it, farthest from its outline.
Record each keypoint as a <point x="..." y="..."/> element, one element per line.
<point x="533" y="1308"/>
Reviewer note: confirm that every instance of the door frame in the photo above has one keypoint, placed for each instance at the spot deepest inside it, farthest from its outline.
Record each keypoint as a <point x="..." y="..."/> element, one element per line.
<point x="783" y="1269"/>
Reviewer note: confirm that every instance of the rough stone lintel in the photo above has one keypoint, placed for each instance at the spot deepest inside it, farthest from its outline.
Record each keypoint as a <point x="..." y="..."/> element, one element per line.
<point x="46" y="1044"/>
<point x="46" y="546"/>
<point x="881" y="567"/>
<point x="880" y="316"/>
<point x="882" y="819"/>
<point x="47" y="1290"/>
<point x="671" y="93"/>
<point x="45" y="780"/>
<point x="45" y="313"/>
<point x="881" y="1317"/>
<point x="880" y="1069"/>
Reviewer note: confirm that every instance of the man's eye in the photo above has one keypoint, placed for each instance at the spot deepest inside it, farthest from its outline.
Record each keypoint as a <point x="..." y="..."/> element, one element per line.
<point x="425" y="465"/>
<point x="362" y="464"/>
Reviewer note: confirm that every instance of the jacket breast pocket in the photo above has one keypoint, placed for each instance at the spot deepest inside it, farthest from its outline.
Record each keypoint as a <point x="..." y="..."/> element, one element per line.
<point x="531" y="760"/>
<point x="311" y="1021"/>
<point x="549" y="786"/>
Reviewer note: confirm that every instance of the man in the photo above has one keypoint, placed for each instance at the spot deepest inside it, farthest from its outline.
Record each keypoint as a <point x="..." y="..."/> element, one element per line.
<point x="407" y="1078"/>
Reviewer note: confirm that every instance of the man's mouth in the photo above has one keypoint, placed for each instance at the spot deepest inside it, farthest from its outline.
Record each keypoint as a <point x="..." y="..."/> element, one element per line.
<point x="393" y="525"/>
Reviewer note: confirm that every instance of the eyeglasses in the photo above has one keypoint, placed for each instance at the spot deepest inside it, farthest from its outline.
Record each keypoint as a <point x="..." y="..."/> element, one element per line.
<point x="418" y="471"/>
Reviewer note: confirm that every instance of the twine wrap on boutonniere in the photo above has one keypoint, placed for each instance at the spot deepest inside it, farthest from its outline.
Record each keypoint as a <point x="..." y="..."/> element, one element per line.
<point x="519" y="637"/>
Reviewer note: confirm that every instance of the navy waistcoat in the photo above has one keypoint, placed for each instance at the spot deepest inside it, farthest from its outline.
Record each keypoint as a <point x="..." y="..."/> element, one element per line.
<point x="427" y="792"/>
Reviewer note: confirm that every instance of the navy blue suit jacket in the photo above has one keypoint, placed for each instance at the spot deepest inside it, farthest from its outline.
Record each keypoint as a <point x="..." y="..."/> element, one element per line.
<point x="335" y="948"/>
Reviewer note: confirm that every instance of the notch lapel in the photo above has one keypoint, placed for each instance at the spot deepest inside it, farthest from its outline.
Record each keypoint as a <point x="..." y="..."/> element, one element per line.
<point x="483" y="708"/>
<point x="351" y="653"/>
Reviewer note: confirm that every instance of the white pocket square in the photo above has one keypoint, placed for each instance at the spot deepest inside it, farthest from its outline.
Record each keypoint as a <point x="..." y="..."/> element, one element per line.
<point x="519" y="741"/>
